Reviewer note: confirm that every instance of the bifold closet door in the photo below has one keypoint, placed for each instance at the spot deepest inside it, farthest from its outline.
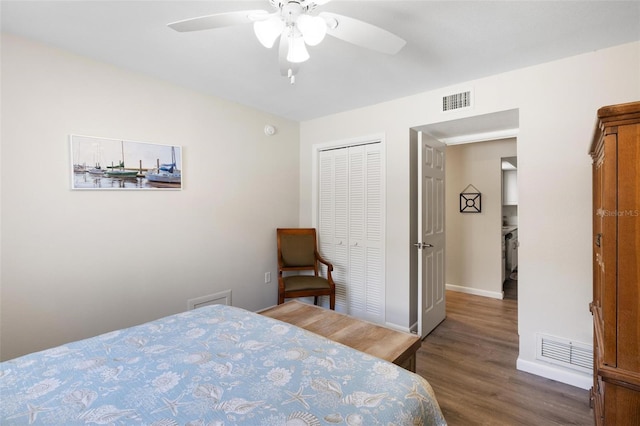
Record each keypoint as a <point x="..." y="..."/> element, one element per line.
<point x="351" y="227"/>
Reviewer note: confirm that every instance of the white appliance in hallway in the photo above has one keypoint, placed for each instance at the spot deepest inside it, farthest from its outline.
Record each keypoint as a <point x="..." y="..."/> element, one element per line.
<point x="509" y="216"/>
<point x="511" y="252"/>
<point x="504" y="259"/>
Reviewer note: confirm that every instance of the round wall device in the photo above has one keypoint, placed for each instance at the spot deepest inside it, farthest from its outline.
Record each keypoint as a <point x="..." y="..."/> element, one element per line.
<point x="269" y="130"/>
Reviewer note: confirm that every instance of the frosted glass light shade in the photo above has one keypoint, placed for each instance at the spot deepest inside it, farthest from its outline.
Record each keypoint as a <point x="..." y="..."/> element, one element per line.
<point x="297" y="50"/>
<point x="268" y="30"/>
<point x="313" y="29"/>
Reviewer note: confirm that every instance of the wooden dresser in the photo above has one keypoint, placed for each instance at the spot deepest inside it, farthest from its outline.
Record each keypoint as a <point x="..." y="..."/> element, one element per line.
<point x="615" y="395"/>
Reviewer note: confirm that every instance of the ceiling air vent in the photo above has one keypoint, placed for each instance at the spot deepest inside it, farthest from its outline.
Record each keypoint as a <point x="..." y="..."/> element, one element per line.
<point x="456" y="101"/>
<point x="556" y="350"/>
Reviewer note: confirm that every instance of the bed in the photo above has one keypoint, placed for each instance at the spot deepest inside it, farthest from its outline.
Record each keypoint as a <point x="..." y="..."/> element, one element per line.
<point x="215" y="365"/>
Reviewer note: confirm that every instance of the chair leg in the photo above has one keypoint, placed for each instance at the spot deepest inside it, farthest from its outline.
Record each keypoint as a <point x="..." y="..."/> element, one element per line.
<point x="315" y="300"/>
<point x="332" y="302"/>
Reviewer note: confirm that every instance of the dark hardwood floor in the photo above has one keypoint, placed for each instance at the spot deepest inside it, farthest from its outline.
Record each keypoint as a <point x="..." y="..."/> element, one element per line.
<point x="470" y="360"/>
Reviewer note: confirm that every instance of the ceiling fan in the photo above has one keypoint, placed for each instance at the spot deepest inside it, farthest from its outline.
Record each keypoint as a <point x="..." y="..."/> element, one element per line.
<point x="297" y="27"/>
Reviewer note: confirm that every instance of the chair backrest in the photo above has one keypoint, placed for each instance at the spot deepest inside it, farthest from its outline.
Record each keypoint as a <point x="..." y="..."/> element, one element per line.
<point x="297" y="247"/>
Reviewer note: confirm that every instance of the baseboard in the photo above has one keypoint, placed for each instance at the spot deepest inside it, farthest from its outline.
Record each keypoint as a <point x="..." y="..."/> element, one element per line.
<point x="475" y="291"/>
<point x="399" y="327"/>
<point x="559" y="374"/>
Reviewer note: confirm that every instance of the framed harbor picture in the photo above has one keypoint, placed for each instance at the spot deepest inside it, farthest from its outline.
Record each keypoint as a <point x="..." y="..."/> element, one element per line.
<point x="101" y="163"/>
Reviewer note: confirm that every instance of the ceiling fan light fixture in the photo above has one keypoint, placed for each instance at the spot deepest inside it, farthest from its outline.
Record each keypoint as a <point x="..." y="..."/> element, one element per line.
<point x="297" y="49"/>
<point x="313" y="29"/>
<point x="268" y="30"/>
<point x="297" y="26"/>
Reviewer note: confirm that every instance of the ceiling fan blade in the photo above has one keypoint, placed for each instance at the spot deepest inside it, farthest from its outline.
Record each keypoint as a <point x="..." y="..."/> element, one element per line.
<point x="219" y="20"/>
<point x="362" y="34"/>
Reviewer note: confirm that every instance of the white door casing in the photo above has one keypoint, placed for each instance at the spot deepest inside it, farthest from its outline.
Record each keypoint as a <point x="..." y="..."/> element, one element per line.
<point x="430" y="243"/>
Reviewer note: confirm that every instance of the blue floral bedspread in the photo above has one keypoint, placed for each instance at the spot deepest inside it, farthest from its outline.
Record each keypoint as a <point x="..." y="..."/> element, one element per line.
<point x="216" y="365"/>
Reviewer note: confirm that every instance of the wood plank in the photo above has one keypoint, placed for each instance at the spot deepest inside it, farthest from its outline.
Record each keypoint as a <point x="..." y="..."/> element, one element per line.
<point x="382" y="342"/>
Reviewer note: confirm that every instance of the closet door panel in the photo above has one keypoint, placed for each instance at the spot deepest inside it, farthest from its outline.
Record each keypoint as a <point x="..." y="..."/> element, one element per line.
<point x="341" y="196"/>
<point x="340" y="262"/>
<point x="357" y="284"/>
<point x="356" y="195"/>
<point x="326" y="197"/>
<point x="341" y="225"/>
<point x="375" y="284"/>
<point x="374" y="233"/>
<point x="351" y="222"/>
<point x="332" y="221"/>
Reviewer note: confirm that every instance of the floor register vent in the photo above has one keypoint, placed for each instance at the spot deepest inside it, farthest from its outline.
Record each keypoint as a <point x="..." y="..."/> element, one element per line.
<point x="221" y="298"/>
<point x="456" y="101"/>
<point x="556" y="350"/>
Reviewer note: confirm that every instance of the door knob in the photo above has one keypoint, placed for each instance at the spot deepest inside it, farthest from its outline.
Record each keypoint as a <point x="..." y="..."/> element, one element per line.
<point x="422" y="245"/>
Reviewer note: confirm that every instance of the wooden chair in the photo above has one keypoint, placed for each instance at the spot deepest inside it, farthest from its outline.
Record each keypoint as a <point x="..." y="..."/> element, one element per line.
<point x="298" y="252"/>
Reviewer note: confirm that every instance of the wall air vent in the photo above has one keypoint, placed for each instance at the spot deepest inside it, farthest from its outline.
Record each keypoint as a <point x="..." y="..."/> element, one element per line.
<point x="456" y="101"/>
<point x="221" y="298"/>
<point x="578" y="356"/>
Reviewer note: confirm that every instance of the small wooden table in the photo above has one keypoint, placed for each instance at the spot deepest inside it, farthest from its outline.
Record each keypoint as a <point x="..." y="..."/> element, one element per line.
<point x="391" y="345"/>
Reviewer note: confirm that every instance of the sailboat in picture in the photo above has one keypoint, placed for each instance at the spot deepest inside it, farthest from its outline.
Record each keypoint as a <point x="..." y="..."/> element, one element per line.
<point x="166" y="173"/>
<point x="97" y="169"/>
<point x="119" y="170"/>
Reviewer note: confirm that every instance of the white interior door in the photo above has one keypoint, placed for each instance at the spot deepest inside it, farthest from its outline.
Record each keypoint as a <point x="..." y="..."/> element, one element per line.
<point x="431" y="234"/>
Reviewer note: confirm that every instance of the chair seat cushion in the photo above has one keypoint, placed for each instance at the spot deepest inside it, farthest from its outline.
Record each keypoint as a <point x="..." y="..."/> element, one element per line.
<point x="305" y="282"/>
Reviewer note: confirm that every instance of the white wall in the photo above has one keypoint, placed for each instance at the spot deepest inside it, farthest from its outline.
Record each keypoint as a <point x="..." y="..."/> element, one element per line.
<point x="474" y="240"/>
<point x="557" y="104"/>
<point x="78" y="263"/>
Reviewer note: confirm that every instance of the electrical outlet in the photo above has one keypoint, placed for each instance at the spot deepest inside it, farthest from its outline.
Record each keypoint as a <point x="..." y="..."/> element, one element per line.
<point x="267" y="277"/>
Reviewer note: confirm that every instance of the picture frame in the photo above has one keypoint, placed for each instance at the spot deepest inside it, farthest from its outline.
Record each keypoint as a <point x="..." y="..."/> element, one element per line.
<point x="470" y="202"/>
<point x="99" y="163"/>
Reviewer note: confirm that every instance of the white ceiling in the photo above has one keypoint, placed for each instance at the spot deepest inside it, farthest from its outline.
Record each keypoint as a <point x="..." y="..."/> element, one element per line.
<point x="448" y="42"/>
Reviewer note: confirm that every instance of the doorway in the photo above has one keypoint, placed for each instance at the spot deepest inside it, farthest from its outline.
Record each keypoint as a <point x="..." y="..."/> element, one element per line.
<point x="474" y="256"/>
